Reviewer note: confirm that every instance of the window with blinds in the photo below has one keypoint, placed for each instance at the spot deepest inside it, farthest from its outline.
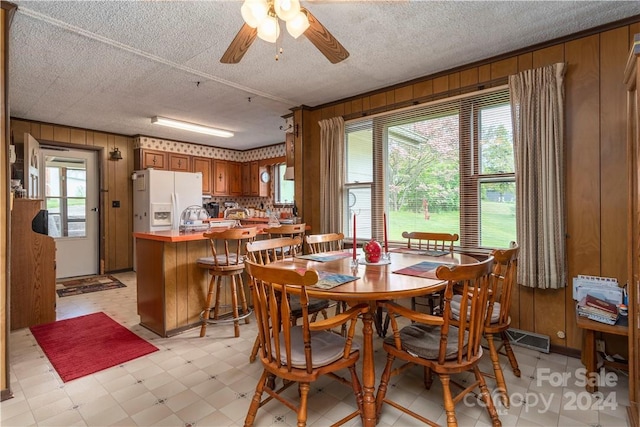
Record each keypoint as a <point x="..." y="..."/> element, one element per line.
<point x="446" y="166"/>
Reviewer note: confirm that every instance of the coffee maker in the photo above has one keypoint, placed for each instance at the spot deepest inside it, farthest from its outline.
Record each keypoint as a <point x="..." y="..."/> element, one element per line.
<point x="213" y="208"/>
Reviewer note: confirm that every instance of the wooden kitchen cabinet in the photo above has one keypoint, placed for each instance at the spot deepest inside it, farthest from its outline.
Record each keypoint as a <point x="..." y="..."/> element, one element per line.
<point x="234" y="174"/>
<point x="179" y="162"/>
<point x="255" y="179"/>
<point x="150" y="159"/>
<point x="220" y="181"/>
<point x="203" y="165"/>
<point x="246" y="179"/>
<point x="33" y="268"/>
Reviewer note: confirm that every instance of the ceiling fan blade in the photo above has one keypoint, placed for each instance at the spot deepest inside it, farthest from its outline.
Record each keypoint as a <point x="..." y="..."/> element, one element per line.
<point x="239" y="45"/>
<point x="323" y="40"/>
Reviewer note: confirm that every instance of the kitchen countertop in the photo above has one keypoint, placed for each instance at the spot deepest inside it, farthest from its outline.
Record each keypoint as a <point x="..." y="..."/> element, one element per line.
<point x="175" y="236"/>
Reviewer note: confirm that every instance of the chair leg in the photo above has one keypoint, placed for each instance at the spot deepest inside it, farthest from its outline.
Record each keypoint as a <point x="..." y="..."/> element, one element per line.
<point x="357" y="388"/>
<point x="254" y="351"/>
<point x="428" y="378"/>
<point x="486" y="397"/>
<point x="384" y="382"/>
<point x="302" y="409"/>
<point x="243" y="299"/>
<point x="449" y="406"/>
<point x="510" y="354"/>
<point x="216" y="310"/>
<point x="255" y="402"/>
<point x="234" y="306"/>
<point x="497" y="370"/>
<point x="207" y="306"/>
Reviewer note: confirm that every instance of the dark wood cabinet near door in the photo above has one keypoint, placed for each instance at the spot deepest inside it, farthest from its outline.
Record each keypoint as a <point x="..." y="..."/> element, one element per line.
<point x="33" y="268"/>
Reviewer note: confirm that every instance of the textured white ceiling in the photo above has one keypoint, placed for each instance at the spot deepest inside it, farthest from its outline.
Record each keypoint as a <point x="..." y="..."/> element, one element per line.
<point x="112" y="65"/>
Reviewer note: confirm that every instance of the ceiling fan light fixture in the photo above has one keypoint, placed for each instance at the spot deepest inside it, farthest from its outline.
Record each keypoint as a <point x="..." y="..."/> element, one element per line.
<point x="298" y="25"/>
<point x="286" y="9"/>
<point x="254" y="11"/>
<point x="193" y="127"/>
<point x="269" y="30"/>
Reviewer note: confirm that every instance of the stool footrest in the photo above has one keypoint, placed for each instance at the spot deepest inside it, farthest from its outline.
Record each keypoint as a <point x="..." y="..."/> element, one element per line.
<point x="226" y="317"/>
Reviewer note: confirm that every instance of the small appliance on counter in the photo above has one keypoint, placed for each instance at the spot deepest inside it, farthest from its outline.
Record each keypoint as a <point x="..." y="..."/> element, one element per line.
<point x="236" y="213"/>
<point x="213" y="209"/>
<point x="194" y="218"/>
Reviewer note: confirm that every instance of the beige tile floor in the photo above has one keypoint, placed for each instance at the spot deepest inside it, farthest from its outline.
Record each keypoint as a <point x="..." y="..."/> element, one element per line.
<point x="208" y="381"/>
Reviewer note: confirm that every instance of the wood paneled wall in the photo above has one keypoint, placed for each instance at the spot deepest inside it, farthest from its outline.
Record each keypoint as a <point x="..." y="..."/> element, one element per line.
<point x="116" y="224"/>
<point x="596" y="174"/>
<point x="6" y="12"/>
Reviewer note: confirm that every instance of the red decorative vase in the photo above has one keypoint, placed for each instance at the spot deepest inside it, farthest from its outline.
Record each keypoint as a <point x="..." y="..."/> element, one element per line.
<point x="372" y="251"/>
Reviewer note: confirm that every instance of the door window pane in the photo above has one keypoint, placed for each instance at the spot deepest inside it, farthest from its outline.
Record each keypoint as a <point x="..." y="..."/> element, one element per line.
<point x="65" y="196"/>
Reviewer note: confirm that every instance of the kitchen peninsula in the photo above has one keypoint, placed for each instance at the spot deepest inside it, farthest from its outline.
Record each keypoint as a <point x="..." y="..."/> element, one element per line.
<point x="171" y="287"/>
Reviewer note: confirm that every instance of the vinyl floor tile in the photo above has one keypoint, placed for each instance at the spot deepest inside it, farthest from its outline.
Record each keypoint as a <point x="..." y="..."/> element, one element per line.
<point x="209" y="382"/>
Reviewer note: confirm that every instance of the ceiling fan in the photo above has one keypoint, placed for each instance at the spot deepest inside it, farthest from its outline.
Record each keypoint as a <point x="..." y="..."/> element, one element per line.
<point x="262" y="20"/>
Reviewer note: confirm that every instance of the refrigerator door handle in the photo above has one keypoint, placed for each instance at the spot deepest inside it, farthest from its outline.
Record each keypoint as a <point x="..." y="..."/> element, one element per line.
<point x="174" y="208"/>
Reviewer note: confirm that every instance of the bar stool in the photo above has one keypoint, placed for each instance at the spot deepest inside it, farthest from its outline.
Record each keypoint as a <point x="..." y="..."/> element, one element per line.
<point x="226" y="262"/>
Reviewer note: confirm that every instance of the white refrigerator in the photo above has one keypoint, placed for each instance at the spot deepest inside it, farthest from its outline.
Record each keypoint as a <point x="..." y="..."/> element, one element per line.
<point x="160" y="196"/>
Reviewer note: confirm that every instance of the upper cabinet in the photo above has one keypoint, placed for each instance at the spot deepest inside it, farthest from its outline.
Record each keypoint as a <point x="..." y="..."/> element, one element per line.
<point x="203" y="165"/>
<point x="220" y="182"/>
<point x="179" y="162"/>
<point x="246" y="178"/>
<point x="255" y="178"/>
<point x="219" y="177"/>
<point x="234" y="173"/>
<point x="144" y="159"/>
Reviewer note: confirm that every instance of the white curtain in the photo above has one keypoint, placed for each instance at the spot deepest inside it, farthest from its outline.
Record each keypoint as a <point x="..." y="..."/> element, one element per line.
<point x="537" y="102"/>
<point x="332" y="168"/>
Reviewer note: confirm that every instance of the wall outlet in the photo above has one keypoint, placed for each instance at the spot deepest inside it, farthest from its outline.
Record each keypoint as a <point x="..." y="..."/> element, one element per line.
<point x="600" y="346"/>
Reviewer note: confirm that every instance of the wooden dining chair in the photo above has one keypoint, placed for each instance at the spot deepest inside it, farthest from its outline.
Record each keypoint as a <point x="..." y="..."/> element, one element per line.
<point x="328" y="242"/>
<point x="288" y="230"/>
<point x="441" y="344"/>
<point x="226" y="262"/>
<point x="427" y="241"/>
<point x="498" y="318"/>
<point x="298" y="353"/>
<point x="422" y="241"/>
<point x="265" y="252"/>
<point x="318" y="243"/>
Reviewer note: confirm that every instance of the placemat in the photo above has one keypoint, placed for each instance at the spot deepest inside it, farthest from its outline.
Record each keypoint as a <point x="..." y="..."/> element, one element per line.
<point x="422" y="269"/>
<point x="420" y="251"/>
<point x="331" y="280"/>
<point x="325" y="257"/>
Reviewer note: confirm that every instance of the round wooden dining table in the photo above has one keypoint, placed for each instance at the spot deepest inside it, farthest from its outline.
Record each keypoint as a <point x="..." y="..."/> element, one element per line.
<point x="373" y="283"/>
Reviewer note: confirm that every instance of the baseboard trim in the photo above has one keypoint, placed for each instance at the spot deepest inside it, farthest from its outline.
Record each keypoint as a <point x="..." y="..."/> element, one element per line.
<point x="565" y="351"/>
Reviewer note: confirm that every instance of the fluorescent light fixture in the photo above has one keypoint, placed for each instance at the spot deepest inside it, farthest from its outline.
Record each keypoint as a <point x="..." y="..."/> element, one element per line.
<point x="177" y="124"/>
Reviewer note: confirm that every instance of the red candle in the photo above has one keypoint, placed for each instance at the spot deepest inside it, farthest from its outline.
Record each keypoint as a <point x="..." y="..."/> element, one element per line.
<point x="386" y="244"/>
<point x="354" y="237"/>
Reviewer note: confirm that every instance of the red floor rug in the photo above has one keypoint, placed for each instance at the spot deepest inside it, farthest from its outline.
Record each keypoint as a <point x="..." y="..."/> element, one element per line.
<point x="87" y="344"/>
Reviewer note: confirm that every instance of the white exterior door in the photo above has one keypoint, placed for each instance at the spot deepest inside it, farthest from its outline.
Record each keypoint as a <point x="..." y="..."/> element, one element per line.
<point x="70" y="189"/>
